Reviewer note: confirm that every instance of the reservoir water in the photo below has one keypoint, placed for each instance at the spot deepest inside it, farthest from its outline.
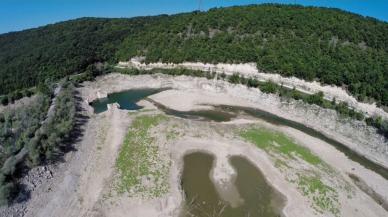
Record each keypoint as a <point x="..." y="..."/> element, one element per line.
<point x="126" y="99"/>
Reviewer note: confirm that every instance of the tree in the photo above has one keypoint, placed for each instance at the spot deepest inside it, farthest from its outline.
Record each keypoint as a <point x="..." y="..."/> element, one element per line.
<point x="252" y="83"/>
<point x="4" y="100"/>
<point x="316" y="98"/>
<point x="6" y="190"/>
<point x="269" y="87"/>
<point x="44" y="89"/>
<point x="234" y="79"/>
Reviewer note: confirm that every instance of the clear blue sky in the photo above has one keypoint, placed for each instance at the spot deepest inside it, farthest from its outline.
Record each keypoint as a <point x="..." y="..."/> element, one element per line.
<point x="22" y="14"/>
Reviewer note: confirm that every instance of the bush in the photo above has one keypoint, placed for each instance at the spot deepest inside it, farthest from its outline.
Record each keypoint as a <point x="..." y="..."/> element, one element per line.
<point x="296" y="94"/>
<point x="234" y="79"/>
<point x="269" y="87"/>
<point x="6" y="192"/>
<point x="8" y="168"/>
<point x="18" y="95"/>
<point x="28" y="93"/>
<point x="252" y="83"/>
<point x="316" y="98"/>
<point x="4" y="100"/>
<point x="379" y="123"/>
<point x="44" y="89"/>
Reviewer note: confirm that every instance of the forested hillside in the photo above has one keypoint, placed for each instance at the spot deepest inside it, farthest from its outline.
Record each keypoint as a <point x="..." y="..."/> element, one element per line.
<point x="311" y="43"/>
<point x="54" y="51"/>
<point x="329" y="45"/>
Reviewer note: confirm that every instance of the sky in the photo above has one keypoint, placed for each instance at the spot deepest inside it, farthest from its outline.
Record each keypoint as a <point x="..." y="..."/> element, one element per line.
<point x="17" y="15"/>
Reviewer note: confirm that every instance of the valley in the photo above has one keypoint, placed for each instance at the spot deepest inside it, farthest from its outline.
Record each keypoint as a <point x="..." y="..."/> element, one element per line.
<point x="131" y="161"/>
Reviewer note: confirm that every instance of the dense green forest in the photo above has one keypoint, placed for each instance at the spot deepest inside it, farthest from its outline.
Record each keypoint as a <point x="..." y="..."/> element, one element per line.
<point x="311" y="43"/>
<point x="33" y="56"/>
<point x="328" y="45"/>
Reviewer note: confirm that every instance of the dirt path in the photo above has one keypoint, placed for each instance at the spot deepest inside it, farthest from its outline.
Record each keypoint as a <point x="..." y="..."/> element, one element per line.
<point x="78" y="185"/>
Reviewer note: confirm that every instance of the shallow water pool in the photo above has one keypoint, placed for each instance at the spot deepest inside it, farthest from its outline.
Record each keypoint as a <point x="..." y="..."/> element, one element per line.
<point x="202" y="199"/>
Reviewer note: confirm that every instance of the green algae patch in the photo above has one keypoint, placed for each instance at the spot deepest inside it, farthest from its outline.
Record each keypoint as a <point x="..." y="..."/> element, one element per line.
<point x="142" y="169"/>
<point x="278" y="142"/>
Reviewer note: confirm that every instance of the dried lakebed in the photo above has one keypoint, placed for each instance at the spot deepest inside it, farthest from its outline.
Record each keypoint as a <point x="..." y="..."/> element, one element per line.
<point x="213" y="115"/>
<point x="132" y="163"/>
<point x="128" y="99"/>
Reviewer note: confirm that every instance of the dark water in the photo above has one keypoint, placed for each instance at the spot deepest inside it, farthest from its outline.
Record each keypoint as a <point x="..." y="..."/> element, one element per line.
<point x="126" y="99"/>
<point x="202" y="198"/>
<point x="218" y="115"/>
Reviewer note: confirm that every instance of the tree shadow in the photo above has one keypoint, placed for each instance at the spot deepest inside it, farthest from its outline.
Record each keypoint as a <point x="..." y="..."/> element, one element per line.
<point x="24" y="194"/>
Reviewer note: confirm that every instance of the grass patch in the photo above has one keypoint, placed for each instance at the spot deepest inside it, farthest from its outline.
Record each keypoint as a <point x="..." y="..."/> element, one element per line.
<point x="323" y="196"/>
<point x="172" y="134"/>
<point x="276" y="141"/>
<point x="141" y="170"/>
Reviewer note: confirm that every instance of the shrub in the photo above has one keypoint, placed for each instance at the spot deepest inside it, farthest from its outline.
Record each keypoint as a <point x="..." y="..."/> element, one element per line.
<point x="6" y="191"/>
<point x="234" y="79"/>
<point x="252" y="83"/>
<point x="269" y="87"/>
<point x="4" y="100"/>
<point x="316" y="98"/>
